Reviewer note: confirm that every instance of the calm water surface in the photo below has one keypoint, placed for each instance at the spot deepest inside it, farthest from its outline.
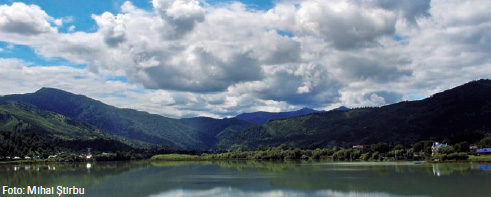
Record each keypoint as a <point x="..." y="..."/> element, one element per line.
<point x="257" y="178"/>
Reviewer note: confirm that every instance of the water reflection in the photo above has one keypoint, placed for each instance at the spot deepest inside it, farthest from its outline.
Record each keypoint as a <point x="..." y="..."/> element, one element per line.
<point x="229" y="191"/>
<point x="445" y="169"/>
<point x="64" y="174"/>
<point x="255" y="178"/>
<point x="486" y="167"/>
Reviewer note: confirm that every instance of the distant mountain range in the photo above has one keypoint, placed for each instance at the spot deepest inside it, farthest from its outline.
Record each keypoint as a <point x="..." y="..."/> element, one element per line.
<point x="262" y="117"/>
<point x="461" y="112"/>
<point x="65" y="116"/>
<point x="59" y="130"/>
<point x="192" y="133"/>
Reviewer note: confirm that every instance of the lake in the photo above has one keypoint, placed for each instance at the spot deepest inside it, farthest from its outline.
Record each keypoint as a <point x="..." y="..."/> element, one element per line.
<point x="255" y="178"/>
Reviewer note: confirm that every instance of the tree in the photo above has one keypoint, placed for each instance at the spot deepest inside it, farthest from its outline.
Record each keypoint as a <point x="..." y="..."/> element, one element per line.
<point x="445" y="150"/>
<point x="282" y="147"/>
<point x="381" y="147"/>
<point x="261" y="148"/>
<point x="399" y="147"/>
<point x="462" y="147"/>
<point x="419" y="146"/>
<point x="485" y="142"/>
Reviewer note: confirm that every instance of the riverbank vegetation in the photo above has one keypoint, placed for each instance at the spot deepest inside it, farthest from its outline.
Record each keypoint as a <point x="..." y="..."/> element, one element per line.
<point x="474" y="158"/>
<point x="25" y="147"/>
<point x="376" y="152"/>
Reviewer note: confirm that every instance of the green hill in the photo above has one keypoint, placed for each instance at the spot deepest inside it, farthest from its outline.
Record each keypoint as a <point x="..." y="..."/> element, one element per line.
<point x="210" y="130"/>
<point x="54" y="130"/>
<point x="262" y="117"/>
<point x="192" y="133"/>
<point x="23" y="119"/>
<point x="457" y="112"/>
<point x="461" y="112"/>
<point x="127" y="123"/>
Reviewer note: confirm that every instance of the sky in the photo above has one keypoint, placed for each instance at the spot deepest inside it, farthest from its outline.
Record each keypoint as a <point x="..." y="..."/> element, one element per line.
<point x="185" y="58"/>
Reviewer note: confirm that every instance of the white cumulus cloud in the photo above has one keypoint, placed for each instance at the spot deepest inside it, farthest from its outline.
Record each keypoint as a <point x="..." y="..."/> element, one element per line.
<point x="196" y="58"/>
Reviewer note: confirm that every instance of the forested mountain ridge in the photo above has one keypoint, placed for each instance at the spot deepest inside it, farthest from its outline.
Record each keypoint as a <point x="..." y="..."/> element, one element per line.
<point x="24" y="119"/>
<point x="29" y="127"/>
<point x="192" y="133"/>
<point x="210" y="130"/>
<point x="262" y="117"/>
<point x="456" y="112"/>
<point x="126" y="123"/>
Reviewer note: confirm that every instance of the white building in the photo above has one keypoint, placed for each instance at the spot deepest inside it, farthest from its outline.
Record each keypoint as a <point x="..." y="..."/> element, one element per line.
<point x="435" y="147"/>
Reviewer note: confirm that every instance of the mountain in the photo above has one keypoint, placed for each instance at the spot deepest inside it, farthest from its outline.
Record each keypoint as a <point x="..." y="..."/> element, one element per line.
<point x="342" y="108"/>
<point x="57" y="130"/>
<point x="194" y="133"/>
<point x="210" y="130"/>
<point x="262" y="117"/>
<point x="23" y="119"/>
<point x="126" y="123"/>
<point x="458" y="112"/>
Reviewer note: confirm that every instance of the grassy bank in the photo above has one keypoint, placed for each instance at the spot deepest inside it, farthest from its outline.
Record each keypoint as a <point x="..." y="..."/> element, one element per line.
<point x="177" y="157"/>
<point x="26" y="161"/>
<point x="473" y="158"/>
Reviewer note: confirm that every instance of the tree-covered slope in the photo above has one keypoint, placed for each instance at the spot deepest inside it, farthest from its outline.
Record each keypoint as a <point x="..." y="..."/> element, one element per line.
<point x="210" y="130"/>
<point x="54" y="129"/>
<point x="24" y="119"/>
<point x="262" y="117"/>
<point x="191" y="133"/>
<point x="127" y="123"/>
<point x="451" y="113"/>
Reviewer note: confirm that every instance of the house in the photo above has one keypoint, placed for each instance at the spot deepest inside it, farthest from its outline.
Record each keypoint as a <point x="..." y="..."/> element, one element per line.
<point x="435" y="147"/>
<point x="473" y="148"/>
<point x="484" y="151"/>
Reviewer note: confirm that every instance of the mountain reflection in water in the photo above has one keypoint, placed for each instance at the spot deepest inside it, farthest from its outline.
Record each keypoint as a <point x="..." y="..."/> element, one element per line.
<point x="256" y="178"/>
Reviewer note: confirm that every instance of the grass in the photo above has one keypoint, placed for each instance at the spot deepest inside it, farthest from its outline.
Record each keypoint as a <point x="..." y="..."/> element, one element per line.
<point x="25" y="161"/>
<point x="486" y="158"/>
<point x="177" y="157"/>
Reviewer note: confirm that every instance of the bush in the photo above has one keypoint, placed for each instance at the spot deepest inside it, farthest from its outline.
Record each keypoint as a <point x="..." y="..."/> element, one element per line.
<point x="462" y="147"/>
<point x="381" y="147"/>
<point x="451" y="156"/>
<point x="458" y="156"/>
<point x="445" y="150"/>
<point x="375" y="156"/>
<point x="439" y="157"/>
<point x="365" y="156"/>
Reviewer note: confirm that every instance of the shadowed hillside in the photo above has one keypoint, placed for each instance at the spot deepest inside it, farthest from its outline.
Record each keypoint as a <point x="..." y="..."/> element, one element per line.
<point x="192" y="133"/>
<point x="457" y="111"/>
<point x="262" y="117"/>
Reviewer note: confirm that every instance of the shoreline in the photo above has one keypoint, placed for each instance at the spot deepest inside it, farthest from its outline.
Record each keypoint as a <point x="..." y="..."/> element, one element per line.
<point x="185" y="157"/>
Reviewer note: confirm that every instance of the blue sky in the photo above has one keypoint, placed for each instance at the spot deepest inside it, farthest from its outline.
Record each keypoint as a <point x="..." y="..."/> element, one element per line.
<point x="81" y="12"/>
<point x="183" y="58"/>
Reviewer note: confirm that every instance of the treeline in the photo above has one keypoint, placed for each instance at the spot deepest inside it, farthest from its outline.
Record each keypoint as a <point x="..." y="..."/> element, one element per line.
<point x="33" y="146"/>
<point x="21" y="145"/>
<point x="18" y="146"/>
<point x="375" y="152"/>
